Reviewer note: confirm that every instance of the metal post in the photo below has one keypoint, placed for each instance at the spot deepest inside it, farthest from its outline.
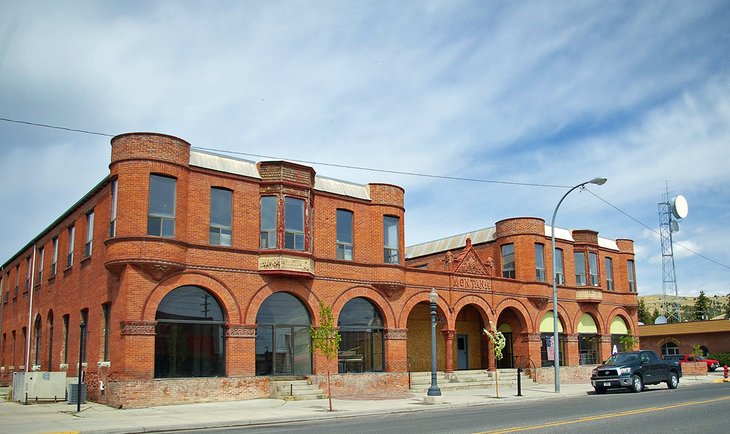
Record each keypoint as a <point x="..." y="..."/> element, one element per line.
<point x="556" y="342"/>
<point x="519" y="382"/>
<point x="81" y="353"/>
<point x="434" y="389"/>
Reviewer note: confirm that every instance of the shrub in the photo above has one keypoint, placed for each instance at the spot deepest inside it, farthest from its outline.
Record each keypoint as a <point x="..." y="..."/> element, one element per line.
<point x="723" y="358"/>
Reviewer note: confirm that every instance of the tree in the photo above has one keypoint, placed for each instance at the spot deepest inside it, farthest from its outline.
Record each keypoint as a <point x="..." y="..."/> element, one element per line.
<point x="326" y="341"/>
<point x="629" y="342"/>
<point x="702" y="307"/>
<point x="727" y="307"/>
<point x="643" y="313"/>
<point x="654" y="315"/>
<point x="498" y="340"/>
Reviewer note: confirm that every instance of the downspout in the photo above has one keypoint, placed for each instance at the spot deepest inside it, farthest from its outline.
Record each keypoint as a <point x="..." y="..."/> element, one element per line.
<point x="30" y="309"/>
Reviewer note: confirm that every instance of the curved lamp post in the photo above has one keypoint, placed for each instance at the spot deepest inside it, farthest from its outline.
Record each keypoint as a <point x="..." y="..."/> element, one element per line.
<point x="434" y="389"/>
<point x="556" y="343"/>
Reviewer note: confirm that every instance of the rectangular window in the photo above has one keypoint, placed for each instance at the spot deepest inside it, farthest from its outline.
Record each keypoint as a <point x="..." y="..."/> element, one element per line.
<point x="580" y="268"/>
<point x="113" y="212"/>
<point x="65" y="337"/>
<point x="293" y="223"/>
<point x="70" y="255"/>
<point x="344" y="234"/>
<point x="508" y="261"/>
<point x="89" y="233"/>
<point x="161" y="214"/>
<point x="390" y="240"/>
<point x="632" y="276"/>
<point x="28" y="272"/>
<point x="17" y="280"/>
<point x="106" y="311"/>
<point x="41" y="259"/>
<point x="609" y="274"/>
<point x="268" y="222"/>
<point x="540" y="262"/>
<point x="54" y="263"/>
<point x="220" y="216"/>
<point x="85" y="320"/>
<point x="593" y="268"/>
<point x="559" y="270"/>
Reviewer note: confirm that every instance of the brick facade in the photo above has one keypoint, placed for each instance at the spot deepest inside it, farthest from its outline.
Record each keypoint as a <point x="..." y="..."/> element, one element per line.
<point x="132" y="272"/>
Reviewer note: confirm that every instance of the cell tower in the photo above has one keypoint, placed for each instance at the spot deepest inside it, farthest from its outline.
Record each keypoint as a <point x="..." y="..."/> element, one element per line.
<point x="669" y="212"/>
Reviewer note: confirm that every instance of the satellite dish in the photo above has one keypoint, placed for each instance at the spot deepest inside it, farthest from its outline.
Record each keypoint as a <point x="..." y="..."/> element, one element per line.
<point x="679" y="207"/>
<point x="675" y="226"/>
<point x="661" y="319"/>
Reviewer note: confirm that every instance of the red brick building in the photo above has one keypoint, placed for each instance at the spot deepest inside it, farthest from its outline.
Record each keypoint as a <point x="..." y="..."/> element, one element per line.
<point x="680" y="338"/>
<point x="197" y="277"/>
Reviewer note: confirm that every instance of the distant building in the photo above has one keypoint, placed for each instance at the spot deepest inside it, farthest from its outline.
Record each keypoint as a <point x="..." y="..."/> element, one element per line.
<point x="679" y="338"/>
<point x="198" y="277"/>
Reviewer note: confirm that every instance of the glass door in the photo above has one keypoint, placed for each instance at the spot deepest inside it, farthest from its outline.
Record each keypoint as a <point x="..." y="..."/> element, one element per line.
<point x="283" y="353"/>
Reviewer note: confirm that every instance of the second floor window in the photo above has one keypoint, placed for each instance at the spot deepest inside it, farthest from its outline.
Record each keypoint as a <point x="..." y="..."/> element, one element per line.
<point x="508" y="261"/>
<point x="113" y="211"/>
<point x="632" y="276"/>
<point x="89" y="233"/>
<point x="161" y="213"/>
<point x="580" y="268"/>
<point x="293" y="223"/>
<point x="70" y="255"/>
<point x="390" y="240"/>
<point x="220" y="216"/>
<point x="559" y="273"/>
<point x="28" y="272"/>
<point x="41" y="257"/>
<point x="344" y="234"/>
<point x="609" y="274"/>
<point x="593" y="268"/>
<point x="268" y="223"/>
<point x="54" y="261"/>
<point x="540" y="262"/>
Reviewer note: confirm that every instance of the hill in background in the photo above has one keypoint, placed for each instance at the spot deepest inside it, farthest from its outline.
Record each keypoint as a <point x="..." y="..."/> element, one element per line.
<point x="716" y="303"/>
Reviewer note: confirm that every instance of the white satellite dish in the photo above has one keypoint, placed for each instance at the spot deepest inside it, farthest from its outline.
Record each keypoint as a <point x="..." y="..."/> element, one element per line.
<point x="679" y="207"/>
<point x="675" y="226"/>
<point x="661" y="319"/>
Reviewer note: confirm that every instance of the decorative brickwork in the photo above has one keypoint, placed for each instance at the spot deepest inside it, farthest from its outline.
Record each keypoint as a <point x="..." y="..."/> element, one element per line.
<point x="138" y="327"/>
<point x="396" y="334"/>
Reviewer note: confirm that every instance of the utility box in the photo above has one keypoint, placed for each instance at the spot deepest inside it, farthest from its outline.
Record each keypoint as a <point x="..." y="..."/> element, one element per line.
<point x="39" y="386"/>
<point x="73" y="393"/>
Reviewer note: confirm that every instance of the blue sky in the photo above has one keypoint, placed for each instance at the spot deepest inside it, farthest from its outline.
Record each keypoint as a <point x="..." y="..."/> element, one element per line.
<point x="538" y="92"/>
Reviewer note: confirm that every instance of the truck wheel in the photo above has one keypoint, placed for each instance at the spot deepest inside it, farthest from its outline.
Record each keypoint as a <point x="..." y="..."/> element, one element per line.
<point x="711" y="369"/>
<point x="672" y="381"/>
<point x="600" y="390"/>
<point x="637" y="385"/>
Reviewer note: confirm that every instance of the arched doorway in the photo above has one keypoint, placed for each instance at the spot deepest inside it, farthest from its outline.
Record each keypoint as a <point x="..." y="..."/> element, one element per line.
<point x="282" y="336"/>
<point x="512" y="325"/>
<point x="361" y="327"/>
<point x="190" y="336"/>
<point x="588" y="345"/>
<point x="471" y="348"/>
<point x="419" y="339"/>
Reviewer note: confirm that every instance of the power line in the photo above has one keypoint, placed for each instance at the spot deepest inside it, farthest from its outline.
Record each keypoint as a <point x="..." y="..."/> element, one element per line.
<point x="55" y="127"/>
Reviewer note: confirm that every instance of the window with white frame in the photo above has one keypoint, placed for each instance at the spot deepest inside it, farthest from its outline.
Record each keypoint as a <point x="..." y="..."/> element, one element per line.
<point x="593" y="268"/>
<point x="344" y="234"/>
<point x="391" y="243"/>
<point x="559" y="273"/>
<point x="580" y="268"/>
<point x="28" y="272"/>
<point x="632" y="276"/>
<point x="88" y="244"/>
<point x="161" y="212"/>
<point x="113" y="211"/>
<point x="508" y="261"/>
<point x="293" y="223"/>
<point x="220" y="216"/>
<point x="41" y="258"/>
<point x="54" y="263"/>
<point x="609" y="274"/>
<point x="70" y="255"/>
<point x="269" y="222"/>
<point x="540" y="262"/>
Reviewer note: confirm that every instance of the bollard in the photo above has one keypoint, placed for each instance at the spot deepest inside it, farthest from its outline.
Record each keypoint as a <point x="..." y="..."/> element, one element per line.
<point x="724" y="374"/>
<point x="519" y="382"/>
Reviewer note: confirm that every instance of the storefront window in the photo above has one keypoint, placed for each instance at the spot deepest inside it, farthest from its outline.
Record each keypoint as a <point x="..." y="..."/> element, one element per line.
<point x="362" y="347"/>
<point x="282" y="337"/>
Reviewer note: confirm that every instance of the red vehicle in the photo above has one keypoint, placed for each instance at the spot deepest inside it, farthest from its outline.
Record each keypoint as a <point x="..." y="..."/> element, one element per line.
<point x="682" y="358"/>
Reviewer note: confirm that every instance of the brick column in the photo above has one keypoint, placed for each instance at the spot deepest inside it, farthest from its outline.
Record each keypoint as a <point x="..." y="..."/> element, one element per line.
<point x="240" y="350"/>
<point x="491" y="361"/>
<point x="138" y="341"/>
<point x="534" y="345"/>
<point x="449" y="347"/>
<point x="604" y="348"/>
<point x="572" y="355"/>
<point x="396" y="350"/>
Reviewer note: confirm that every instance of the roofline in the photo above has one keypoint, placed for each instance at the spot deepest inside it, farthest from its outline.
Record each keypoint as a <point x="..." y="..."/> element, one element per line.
<point x="103" y="183"/>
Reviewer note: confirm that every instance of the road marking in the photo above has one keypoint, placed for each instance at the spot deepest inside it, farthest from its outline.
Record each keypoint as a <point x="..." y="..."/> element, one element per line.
<point x="603" y="416"/>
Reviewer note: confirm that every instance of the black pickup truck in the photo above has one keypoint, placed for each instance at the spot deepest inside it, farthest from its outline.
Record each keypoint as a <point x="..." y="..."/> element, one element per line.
<point x="632" y="370"/>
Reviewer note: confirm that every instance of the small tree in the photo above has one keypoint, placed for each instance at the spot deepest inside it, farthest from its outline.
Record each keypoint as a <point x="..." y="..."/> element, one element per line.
<point x="326" y="341"/>
<point x="727" y="307"/>
<point x="643" y="313"/>
<point x="498" y="340"/>
<point x="629" y="342"/>
<point x="702" y="307"/>
<point x="697" y="351"/>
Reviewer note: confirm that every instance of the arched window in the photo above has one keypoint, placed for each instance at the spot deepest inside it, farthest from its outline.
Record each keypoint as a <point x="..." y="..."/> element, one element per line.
<point x="547" y="350"/>
<point x="190" y="335"/>
<point x="588" y="340"/>
<point x="37" y="357"/>
<point x="670" y="348"/>
<point x="362" y="346"/>
<point x="282" y="337"/>
<point x="618" y="331"/>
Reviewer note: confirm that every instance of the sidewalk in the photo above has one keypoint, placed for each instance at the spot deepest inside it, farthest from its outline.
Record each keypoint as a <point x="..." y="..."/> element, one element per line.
<point x="96" y="418"/>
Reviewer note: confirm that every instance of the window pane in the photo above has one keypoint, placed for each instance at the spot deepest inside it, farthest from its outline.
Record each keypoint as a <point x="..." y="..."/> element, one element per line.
<point x="508" y="261"/>
<point x="593" y="268"/>
<point x="189" y="303"/>
<point x="294" y="214"/>
<point x="559" y="273"/>
<point x="580" y="269"/>
<point x="220" y="207"/>
<point x="540" y="262"/>
<point x="162" y="196"/>
<point x="390" y="240"/>
<point x="344" y="226"/>
<point x="268" y="213"/>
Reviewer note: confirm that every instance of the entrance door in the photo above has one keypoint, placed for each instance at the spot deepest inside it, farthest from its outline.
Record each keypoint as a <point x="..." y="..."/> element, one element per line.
<point x="283" y="350"/>
<point x="462" y="352"/>
<point x="507" y="356"/>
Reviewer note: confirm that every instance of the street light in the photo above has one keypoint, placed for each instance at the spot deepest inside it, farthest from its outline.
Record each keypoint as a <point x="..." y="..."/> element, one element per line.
<point x="434" y="389"/>
<point x="556" y="344"/>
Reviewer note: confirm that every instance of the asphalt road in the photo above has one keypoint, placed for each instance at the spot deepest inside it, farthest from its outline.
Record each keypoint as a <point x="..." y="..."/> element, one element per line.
<point x="697" y="409"/>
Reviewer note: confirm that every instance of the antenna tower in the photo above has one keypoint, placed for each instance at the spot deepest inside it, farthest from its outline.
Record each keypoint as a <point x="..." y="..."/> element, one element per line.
<point x="669" y="212"/>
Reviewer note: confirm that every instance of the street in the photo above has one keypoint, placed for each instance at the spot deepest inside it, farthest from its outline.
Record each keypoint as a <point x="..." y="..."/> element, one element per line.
<point x="698" y="409"/>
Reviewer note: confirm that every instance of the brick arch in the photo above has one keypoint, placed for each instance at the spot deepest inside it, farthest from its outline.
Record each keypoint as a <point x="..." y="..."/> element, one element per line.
<point x="519" y="307"/>
<point x="293" y="287"/>
<point x="621" y="312"/>
<point x="221" y="292"/>
<point x="482" y="306"/>
<point x="418" y="298"/>
<point x="371" y="295"/>
<point x="597" y="317"/>
<point x="562" y="316"/>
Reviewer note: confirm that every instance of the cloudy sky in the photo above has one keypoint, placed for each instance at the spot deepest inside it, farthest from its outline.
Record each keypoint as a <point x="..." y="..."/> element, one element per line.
<point x="529" y="92"/>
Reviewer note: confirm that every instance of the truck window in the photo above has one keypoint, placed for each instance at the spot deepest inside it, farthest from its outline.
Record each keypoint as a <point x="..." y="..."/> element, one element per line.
<point x="650" y="355"/>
